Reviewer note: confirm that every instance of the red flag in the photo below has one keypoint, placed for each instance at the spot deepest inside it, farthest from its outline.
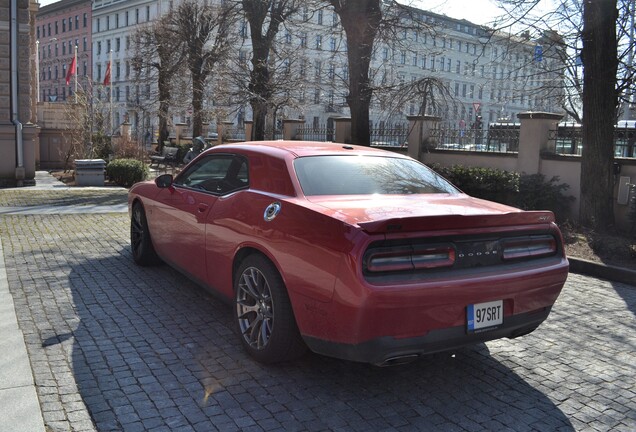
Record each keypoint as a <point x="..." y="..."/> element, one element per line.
<point x="70" y="72"/>
<point x="107" y="76"/>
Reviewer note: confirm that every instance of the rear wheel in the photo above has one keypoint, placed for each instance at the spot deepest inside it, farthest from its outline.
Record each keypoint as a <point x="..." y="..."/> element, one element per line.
<point x="142" y="249"/>
<point x="263" y="313"/>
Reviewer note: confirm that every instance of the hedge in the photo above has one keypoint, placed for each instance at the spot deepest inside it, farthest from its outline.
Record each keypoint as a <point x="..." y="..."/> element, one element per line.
<point x="126" y="172"/>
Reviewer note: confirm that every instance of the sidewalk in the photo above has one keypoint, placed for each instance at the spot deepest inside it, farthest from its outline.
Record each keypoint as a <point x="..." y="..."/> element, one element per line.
<point x="19" y="404"/>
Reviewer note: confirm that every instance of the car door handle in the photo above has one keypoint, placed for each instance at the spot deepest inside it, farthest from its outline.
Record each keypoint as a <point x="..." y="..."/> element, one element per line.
<point x="202" y="208"/>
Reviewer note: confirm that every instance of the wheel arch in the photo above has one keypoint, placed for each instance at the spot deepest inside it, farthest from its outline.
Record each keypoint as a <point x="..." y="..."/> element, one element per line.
<point x="136" y="200"/>
<point x="247" y="250"/>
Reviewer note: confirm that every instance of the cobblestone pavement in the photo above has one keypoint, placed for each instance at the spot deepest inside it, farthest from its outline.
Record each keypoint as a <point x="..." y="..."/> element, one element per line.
<point x="60" y="198"/>
<point x="116" y="347"/>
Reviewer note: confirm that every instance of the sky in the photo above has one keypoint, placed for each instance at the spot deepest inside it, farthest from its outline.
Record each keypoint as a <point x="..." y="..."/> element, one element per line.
<point x="475" y="11"/>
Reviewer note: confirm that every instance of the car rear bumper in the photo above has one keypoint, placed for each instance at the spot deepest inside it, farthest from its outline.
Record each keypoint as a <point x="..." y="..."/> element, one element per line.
<point x="387" y="350"/>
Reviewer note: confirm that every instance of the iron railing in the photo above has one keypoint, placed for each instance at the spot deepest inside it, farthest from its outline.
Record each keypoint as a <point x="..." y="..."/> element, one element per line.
<point x="316" y="133"/>
<point x="389" y="135"/>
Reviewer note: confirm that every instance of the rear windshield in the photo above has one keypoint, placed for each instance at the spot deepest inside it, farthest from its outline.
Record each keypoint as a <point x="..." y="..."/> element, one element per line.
<point x="366" y="175"/>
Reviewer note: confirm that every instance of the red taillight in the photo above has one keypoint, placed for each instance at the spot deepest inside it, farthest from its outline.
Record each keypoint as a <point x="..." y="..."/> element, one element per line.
<point x="403" y="259"/>
<point x="429" y="258"/>
<point x="528" y="247"/>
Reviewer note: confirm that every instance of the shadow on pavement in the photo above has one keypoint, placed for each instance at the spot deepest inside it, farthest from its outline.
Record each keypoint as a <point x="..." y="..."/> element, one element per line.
<point x="153" y="350"/>
<point x="145" y="349"/>
<point x="628" y="294"/>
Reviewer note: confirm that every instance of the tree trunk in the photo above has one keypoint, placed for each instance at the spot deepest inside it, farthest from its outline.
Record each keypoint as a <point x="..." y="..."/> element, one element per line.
<point x="259" y="112"/>
<point x="259" y="80"/>
<point x="164" y="107"/>
<point x="359" y="97"/>
<point x="600" y="64"/>
<point x="360" y="20"/>
<point x="198" y="84"/>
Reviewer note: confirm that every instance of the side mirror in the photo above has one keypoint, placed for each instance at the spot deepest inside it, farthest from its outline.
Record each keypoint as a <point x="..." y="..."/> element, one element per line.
<point x="164" y="181"/>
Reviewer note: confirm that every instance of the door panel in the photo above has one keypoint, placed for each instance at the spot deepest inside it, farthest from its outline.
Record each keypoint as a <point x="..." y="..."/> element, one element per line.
<point x="183" y="210"/>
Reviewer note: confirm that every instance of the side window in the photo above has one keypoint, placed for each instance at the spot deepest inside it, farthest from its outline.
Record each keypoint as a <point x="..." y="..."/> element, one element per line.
<point x="218" y="174"/>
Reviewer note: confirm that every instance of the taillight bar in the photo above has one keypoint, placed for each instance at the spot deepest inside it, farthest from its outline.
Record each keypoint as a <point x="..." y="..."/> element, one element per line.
<point x="528" y="247"/>
<point x="406" y="258"/>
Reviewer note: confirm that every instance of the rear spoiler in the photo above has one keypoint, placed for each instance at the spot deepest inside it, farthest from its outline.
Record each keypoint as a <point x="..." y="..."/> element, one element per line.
<point x="426" y="223"/>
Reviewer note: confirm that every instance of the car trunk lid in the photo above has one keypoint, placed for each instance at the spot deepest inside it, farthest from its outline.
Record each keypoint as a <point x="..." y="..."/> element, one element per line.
<point x="386" y="214"/>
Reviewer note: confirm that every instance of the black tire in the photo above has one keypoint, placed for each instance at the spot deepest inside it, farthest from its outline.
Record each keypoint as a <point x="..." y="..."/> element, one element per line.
<point x="140" y="242"/>
<point x="263" y="313"/>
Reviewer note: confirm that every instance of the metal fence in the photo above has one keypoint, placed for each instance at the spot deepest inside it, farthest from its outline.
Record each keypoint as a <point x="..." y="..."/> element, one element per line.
<point x="235" y="133"/>
<point x="625" y="142"/>
<point x="389" y="135"/>
<point x="569" y="140"/>
<point x="502" y="138"/>
<point x="497" y="137"/>
<point x="316" y="133"/>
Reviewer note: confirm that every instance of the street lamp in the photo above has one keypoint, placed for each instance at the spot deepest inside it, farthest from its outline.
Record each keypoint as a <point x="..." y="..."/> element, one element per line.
<point x="37" y="69"/>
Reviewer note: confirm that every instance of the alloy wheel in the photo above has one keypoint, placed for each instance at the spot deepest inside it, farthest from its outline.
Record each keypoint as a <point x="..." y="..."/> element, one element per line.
<point x="254" y="308"/>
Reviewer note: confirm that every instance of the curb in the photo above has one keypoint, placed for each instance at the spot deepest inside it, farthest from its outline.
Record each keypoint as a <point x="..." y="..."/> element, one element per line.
<point x="602" y="271"/>
<point x="20" y="409"/>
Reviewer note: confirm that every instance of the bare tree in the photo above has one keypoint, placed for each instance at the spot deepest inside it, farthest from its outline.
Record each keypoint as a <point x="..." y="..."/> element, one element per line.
<point x="366" y="23"/>
<point x="597" y="77"/>
<point x="205" y="29"/>
<point x="157" y="47"/>
<point x="600" y="100"/>
<point x="265" y="20"/>
<point x="430" y="94"/>
<point x="361" y="21"/>
<point x="89" y="136"/>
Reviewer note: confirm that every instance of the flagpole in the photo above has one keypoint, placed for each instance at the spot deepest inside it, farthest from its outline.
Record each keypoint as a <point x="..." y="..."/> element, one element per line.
<point x="110" y="59"/>
<point x="76" y="73"/>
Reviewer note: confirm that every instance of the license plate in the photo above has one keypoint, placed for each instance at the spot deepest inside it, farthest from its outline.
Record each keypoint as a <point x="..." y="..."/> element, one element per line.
<point x="483" y="316"/>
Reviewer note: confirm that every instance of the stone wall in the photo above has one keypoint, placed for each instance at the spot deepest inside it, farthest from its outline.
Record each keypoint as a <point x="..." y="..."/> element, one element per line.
<point x="10" y="172"/>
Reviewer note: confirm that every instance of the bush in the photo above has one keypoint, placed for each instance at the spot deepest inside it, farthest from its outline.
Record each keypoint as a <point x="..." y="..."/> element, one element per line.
<point x="528" y="192"/>
<point x="101" y="146"/>
<point x="486" y="183"/>
<point x="126" y="172"/>
<point x="535" y="193"/>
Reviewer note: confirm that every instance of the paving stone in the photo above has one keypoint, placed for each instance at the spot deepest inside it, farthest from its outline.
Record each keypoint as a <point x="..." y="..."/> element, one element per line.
<point x="120" y="347"/>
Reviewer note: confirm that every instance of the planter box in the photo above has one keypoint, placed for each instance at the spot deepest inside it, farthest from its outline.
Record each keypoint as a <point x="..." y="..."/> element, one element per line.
<point x="90" y="172"/>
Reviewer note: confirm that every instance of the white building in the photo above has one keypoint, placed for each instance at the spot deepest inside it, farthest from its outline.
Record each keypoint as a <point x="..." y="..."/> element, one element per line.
<point x="114" y="23"/>
<point x="497" y="75"/>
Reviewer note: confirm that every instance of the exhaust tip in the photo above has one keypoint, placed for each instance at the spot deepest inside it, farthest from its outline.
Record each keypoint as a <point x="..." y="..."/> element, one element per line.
<point x="398" y="360"/>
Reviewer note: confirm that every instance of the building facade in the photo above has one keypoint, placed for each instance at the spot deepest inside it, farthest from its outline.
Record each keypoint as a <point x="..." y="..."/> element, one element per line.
<point x="18" y="134"/>
<point x="61" y="27"/>
<point x="486" y="76"/>
<point x="114" y="25"/>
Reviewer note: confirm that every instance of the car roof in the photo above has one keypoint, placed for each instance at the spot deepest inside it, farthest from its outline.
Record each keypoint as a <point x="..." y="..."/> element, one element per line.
<point x="306" y="148"/>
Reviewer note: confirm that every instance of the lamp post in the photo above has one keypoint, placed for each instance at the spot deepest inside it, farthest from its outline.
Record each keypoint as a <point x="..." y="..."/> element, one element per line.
<point x="37" y="69"/>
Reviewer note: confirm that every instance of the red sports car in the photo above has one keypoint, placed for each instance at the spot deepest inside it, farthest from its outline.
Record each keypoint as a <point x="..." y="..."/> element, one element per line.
<point x="354" y="252"/>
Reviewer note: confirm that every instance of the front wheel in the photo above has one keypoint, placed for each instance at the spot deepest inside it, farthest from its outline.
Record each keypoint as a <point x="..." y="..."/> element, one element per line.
<point x="263" y="313"/>
<point x="140" y="243"/>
